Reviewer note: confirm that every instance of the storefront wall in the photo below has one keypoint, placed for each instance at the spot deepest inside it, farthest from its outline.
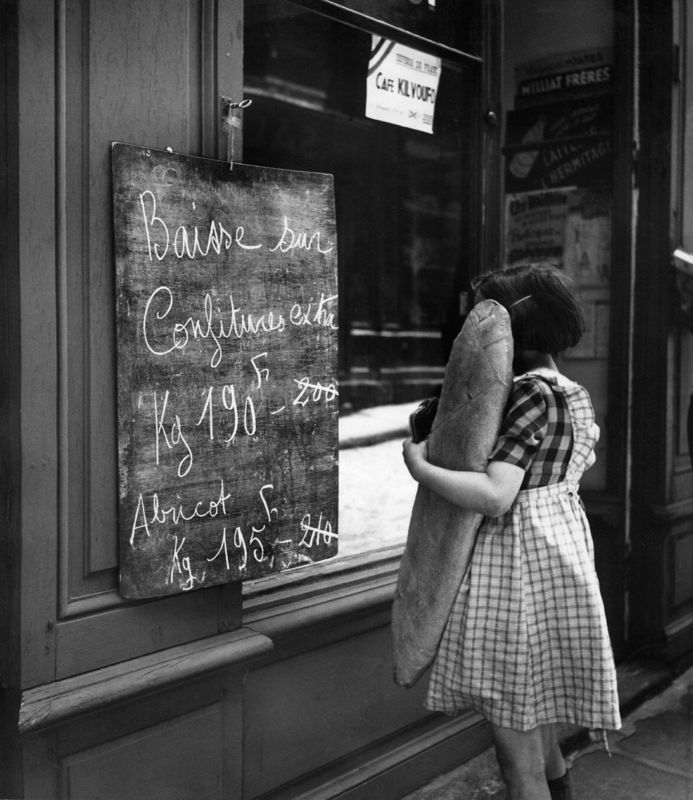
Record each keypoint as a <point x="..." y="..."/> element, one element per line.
<point x="283" y="689"/>
<point x="191" y="695"/>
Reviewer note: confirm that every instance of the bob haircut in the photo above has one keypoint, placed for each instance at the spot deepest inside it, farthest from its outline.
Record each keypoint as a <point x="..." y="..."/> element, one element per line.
<point x="545" y="313"/>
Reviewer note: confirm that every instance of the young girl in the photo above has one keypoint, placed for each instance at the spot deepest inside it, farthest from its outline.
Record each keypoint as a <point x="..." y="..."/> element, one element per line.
<point x="526" y="644"/>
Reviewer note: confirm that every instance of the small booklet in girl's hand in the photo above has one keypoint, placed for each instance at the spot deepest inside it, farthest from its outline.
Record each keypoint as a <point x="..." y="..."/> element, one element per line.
<point x="421" y="419"/>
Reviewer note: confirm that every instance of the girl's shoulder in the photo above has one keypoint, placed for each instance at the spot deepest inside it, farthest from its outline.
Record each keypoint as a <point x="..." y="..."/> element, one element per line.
<point x="543" y="376"/>
<point x="550" y="383"/>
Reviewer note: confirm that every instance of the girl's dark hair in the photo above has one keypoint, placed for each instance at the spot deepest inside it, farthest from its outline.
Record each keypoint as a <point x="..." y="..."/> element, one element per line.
<point x="541" y="299"/>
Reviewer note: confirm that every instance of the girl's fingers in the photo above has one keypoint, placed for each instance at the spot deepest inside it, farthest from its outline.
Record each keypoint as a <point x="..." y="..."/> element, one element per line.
<point x="413" y="449"/>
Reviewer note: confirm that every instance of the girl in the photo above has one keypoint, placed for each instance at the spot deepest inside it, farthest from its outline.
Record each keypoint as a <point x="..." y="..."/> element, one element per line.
<point x="526" y="643"/>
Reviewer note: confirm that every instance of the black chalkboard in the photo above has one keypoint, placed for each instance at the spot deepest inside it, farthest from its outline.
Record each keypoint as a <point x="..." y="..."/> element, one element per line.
<point x="226" y="312"/>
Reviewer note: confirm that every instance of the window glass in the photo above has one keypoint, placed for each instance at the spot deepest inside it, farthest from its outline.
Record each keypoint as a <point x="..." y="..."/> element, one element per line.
<point x="407" y="212"/>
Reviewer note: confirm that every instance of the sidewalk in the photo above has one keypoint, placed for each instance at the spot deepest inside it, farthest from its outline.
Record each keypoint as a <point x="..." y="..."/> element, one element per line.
<point x="371" y="426"/>
<point x="651" y="758"/>
<point x="376" y="493"/>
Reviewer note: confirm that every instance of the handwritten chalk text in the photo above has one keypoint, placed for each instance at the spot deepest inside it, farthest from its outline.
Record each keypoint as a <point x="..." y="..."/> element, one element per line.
<point x="175" y="514"/>
<point x="185" y="243"/>
<point x="321" y="315"/>
<point x="293" y="240"/>
<point x="316" y="534"/>
<point x="233" y="324"/>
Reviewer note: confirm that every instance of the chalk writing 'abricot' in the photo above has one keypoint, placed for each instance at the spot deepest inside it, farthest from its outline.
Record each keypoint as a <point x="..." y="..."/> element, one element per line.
<point x="175" y="514"/>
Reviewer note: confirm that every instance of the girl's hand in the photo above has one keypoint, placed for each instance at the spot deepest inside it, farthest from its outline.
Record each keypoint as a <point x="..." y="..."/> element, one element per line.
<point x="414" y="456"/>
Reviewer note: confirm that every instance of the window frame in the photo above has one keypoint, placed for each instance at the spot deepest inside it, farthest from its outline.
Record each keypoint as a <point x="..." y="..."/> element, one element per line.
<point x="354" y="585"/>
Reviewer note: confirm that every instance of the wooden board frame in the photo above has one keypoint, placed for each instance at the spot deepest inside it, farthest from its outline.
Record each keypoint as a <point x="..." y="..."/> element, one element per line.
<point x="226" y="311"/>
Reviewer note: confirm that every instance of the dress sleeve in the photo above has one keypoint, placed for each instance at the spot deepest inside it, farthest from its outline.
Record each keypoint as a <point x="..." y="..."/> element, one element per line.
<point x="523" y="427"/>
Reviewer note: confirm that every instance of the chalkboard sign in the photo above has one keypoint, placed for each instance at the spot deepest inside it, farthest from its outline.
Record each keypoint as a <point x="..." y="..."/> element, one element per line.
<point x="226" y="311"/>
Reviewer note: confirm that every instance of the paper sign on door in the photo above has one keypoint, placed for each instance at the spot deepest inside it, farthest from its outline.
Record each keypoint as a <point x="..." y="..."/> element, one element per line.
<point x="402" y="85"/>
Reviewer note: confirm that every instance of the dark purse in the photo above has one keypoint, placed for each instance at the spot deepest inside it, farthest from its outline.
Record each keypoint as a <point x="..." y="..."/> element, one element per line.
<point x="421" y="419"/>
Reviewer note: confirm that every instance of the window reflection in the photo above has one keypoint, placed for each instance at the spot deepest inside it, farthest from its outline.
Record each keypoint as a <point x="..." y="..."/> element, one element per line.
<point x="405" y="204"/>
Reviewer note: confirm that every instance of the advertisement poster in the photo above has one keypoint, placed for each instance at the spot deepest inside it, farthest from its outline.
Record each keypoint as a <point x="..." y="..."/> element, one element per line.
<point x="583" y="158"/>
<point x="535" y="226"/>
<point x="587" y="241"/>
<point x="559" y="196"/>
<point x="402" y="85"/>
<point x="569" y="227"/>
<point x="580" y="73"/>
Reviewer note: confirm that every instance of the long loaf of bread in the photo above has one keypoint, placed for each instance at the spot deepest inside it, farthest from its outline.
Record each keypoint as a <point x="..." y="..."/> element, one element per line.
<point x="441" y="536"/>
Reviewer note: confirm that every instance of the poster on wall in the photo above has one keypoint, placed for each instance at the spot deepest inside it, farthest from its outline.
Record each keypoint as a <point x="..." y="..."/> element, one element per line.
<point x="401" y="85"/>
<point x="569" y="227"/>
<point x="226" y="319"/>
<point x="576" y="145"/>
<point x="578" y="73"/>
<point x="535" y="226"/>
<point x="587" y="239"/>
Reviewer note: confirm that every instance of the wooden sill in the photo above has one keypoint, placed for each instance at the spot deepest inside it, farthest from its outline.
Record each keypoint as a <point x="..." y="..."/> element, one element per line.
<point x="279" y="604"/>
<point x="53" y="703"/>
<point x="273" y="606"/>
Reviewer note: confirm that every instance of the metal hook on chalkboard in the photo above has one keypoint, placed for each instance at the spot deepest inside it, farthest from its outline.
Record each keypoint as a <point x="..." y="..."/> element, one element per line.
<point x="231" y="120"/>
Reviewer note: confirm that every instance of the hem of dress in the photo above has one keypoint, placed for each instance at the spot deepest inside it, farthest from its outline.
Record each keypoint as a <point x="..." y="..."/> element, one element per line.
<point x="593" y="724"/>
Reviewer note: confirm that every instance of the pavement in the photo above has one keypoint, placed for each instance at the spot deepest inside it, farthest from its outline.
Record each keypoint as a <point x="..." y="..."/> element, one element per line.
<point x="371" y="426"/>
<point x="376" y="493"/>
<point x="651" y="757"/>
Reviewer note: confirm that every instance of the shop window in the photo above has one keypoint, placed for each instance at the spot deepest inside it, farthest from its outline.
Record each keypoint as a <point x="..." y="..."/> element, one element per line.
<point x="407" y="207"/>
<point x="558" y="174"/>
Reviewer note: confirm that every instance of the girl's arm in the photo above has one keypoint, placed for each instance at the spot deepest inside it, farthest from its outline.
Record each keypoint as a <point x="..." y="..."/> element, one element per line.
<point x="491" y="493"/>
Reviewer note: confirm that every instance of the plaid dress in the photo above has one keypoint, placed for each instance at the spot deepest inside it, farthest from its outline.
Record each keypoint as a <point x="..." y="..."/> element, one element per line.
<point x="526" y="643"/>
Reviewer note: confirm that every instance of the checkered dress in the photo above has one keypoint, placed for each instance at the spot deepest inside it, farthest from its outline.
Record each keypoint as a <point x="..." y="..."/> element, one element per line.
<point x="526" y="642"/>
